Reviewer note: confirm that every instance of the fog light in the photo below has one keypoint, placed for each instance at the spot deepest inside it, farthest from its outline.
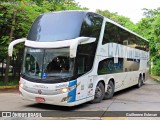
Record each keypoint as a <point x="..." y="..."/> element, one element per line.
<point x="65" y="99"/>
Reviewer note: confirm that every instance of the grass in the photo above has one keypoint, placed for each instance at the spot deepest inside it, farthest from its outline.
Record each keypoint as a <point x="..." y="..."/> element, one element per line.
<point x="12" y="81"/>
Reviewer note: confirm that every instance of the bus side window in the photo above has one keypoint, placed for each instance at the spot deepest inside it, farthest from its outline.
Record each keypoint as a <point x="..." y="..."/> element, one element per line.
<point x="91" y="25"/>
<point x="81" y="65"/>
<point x="110" y="33"/>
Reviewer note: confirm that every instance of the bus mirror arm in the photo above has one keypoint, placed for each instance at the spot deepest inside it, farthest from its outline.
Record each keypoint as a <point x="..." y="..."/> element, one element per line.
<point x="74" y="44"/>
<point x="10" y="48"/>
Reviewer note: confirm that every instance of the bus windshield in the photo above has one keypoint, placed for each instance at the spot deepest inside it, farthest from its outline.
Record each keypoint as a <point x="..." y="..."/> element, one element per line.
<point x="47" y="63"/>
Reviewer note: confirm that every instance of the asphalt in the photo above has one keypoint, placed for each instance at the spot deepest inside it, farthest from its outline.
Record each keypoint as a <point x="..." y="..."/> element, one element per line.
<point x="145" y="98"/>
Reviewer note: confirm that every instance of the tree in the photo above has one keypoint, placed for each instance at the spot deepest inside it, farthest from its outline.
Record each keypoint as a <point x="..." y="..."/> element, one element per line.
<point x="17" y="16"/>
<point x="149" y="27"/>
<point x="122" y="20"/>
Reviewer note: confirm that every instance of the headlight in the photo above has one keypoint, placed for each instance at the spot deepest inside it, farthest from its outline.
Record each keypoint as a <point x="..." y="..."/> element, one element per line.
<point x="64" y="90"/>
<point x="67" y="89"/>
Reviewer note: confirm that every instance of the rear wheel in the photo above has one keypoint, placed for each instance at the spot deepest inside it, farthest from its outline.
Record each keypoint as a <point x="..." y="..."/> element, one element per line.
<point x="99" y="93"/>
<point x="140" y="82"/>
<point x="143" y="79"/>
<point x="110" y="90"/>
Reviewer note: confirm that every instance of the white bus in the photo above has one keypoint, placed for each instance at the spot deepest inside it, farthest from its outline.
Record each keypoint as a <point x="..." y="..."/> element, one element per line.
<point x="71" y="57"/>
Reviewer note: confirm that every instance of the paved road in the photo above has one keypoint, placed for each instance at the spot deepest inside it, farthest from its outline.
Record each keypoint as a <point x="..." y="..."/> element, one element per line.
<point x="146" y="98"/>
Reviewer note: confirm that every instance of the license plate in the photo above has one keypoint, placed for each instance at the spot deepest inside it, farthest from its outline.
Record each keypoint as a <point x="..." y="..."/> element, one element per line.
<point x="39" y="99"/>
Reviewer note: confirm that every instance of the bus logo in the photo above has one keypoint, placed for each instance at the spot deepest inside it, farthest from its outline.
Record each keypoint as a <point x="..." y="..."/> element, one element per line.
<point x="39" y="91"/>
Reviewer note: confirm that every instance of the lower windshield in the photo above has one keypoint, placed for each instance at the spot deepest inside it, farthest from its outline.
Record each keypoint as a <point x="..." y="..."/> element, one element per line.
<point x="47" y="63"/>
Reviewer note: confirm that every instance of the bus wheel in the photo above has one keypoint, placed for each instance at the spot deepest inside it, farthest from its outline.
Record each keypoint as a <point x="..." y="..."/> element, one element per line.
<point x="140" y="82"/>
<point x="110" y="90"/>
<point x="99" y="93"/>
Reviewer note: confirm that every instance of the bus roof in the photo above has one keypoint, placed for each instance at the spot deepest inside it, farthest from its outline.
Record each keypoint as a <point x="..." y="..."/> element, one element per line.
<point x="107" y="19"/>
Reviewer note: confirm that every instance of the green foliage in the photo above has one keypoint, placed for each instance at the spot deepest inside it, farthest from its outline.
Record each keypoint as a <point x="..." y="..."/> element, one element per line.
<point x="122" y="20"/>
<point x="3" y="49"/>
<point x="17" y="16"/>
<point x="156" y="68"/>
<point x="25" y="13"/>
<point x="12" y="82"/>
<point x="149" y="27"/>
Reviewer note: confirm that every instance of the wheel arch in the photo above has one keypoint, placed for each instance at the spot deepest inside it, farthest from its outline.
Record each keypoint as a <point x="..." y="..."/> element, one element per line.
<point x="112" y="79"/>
<point x="104" y="82"/>
<point x="140" y="76"/>
<point x="100" y="80"/>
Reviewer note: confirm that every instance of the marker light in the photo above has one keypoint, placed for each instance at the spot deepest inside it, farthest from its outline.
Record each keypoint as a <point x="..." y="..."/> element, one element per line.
<point x="21" y="85"/>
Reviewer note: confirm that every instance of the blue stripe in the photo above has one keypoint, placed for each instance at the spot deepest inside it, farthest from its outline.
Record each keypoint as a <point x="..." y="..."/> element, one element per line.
<point x="72" y="93"/>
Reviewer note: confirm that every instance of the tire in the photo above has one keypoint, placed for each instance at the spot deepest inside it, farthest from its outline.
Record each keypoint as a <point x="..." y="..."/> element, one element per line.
<point x="143" y="79"/>
<point x="99" y="93"/>
<point x="110" y="90"/>
<point x="140" y="82"/>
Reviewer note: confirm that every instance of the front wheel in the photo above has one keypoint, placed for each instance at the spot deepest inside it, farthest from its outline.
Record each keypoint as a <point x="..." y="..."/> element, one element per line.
<point x="99" y="93"/>
<point x="110" y="90"/>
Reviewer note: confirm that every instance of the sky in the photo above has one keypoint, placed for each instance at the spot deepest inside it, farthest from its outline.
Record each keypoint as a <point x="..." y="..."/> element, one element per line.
<point x="129" y="8"/>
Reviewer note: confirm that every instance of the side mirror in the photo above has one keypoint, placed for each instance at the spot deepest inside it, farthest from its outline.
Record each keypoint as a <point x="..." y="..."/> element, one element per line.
<point x="10" y="47"/>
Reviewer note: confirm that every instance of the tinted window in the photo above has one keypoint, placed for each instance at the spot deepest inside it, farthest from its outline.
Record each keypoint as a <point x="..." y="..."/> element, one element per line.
<point x="56" y="26"/>
<point x="110" y="33"/>
<point x="118" y="35"/>
<point x="85" y="57"/>
<point x="131" y="40"/>
<point x="91" y="27"/>
<point x="109" y="66"/>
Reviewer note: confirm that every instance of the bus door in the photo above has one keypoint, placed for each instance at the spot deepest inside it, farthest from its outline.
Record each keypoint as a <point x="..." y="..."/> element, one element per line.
<point x="90" y="90"/>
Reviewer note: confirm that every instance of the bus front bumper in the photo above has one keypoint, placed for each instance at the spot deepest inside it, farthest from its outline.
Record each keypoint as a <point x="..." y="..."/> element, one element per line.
<point x="59" y="99"/>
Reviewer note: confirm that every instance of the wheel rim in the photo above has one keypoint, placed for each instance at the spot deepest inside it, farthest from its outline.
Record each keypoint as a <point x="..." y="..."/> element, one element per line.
<point x="109" y="89"/>
<point x="98" y="92"/>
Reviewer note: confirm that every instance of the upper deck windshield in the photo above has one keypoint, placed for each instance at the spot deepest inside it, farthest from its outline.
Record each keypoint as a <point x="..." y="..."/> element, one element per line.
<point x="47" y="64"/>
<point x="56" y="26"/>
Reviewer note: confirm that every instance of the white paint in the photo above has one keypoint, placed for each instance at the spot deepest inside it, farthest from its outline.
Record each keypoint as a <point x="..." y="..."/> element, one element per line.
<point x="13" y="43"/>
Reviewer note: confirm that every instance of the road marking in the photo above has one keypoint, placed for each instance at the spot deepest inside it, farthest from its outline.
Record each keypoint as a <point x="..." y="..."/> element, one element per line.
<point x="115" y="118"/>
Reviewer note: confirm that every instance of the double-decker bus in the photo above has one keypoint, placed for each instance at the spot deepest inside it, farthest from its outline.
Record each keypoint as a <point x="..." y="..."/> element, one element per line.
<point x="71" y="57"/>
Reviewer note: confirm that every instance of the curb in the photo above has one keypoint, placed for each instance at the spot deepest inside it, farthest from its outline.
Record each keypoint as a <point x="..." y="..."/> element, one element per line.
<point x="155" y="77"/>
<point x="8" y="87"/>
